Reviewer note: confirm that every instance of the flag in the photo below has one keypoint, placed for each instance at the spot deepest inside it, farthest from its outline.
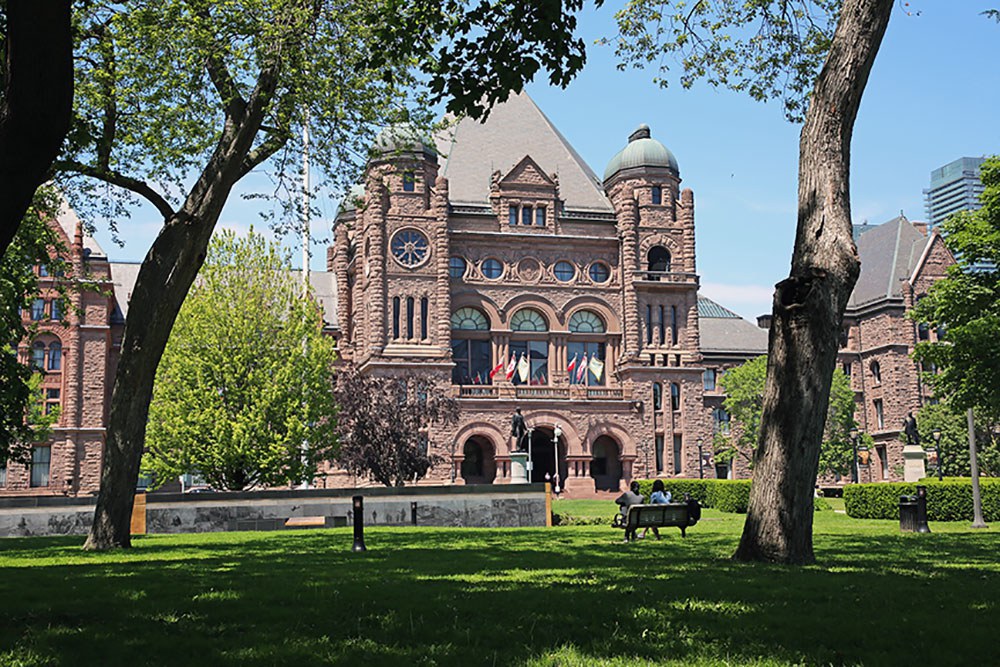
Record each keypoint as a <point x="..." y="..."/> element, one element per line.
<point x="522" y="368"/>
<point x="541" y="378"/>
<point x="596" y="367"/>
<point x="496" y="369"/>
<point x="511" y="366"/>
<point x="572" y="365"/>
<point x="477" y="379"/>
<point x="582" y="370"/>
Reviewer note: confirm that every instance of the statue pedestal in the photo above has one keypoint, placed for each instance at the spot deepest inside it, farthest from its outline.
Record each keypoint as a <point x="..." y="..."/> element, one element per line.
<point x="519" y="467"/>
<point x="913" y="463"/>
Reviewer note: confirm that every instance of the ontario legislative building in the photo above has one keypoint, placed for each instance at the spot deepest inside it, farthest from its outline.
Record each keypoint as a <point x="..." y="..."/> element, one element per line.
<point x="499" y="264"/>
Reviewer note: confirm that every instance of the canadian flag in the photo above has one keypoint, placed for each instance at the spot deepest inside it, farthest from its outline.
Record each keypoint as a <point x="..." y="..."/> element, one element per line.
<point x="511" y="367"/>
<point x="572" y="365"/>
<point x="496" y="369"/>
<point x="582" y="370"/>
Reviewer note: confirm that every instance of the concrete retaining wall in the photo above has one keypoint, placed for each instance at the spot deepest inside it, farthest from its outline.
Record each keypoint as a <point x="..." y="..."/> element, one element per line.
<point x="486" y="506"/>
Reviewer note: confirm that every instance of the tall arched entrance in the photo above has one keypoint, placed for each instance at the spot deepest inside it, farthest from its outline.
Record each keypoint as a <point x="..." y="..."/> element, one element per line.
<point x="479" y="465"/>
<point x="543" y="456"/>
<point x="606" y="466"/>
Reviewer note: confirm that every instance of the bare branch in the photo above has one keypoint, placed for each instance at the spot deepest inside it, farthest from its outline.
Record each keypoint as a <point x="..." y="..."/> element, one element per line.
<point x="135" y="185"/>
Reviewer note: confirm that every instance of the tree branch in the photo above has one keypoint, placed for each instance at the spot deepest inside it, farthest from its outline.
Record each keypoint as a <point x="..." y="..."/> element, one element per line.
<point x="135" y="185"/>
<point x="266" y="149"/>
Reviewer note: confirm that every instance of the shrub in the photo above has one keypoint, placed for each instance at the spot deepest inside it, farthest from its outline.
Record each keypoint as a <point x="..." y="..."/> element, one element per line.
<point x="821" y="505"/>
<point x="725" y="495"/>
<point x="948" y="500"/>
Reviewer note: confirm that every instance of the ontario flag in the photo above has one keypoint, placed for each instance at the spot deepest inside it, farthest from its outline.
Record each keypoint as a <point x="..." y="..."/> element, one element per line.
<point x="572" y="366"/>
<point x="496" y="369"/>
<point x="582" y="370"/>
<point x="511" y="367"/>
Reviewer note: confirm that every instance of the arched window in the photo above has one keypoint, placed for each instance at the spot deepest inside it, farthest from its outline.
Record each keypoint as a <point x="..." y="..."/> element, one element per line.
<point x="38" y="355"/>
<point x="876" y="370"/>
<point x="469" y="319"/>
<point x="675" y="396"/>
<point x="470" y="347"/>
<point x="657" y="396"/>
<point x="55" y="356"/>
<point x="424" y="314"/>
<point x="657" y="194"/>
<point x="528" y="319"/>
<point x="395" y="317"/>
<point x="409" y="317"/>
<point x="586" y="321"/>
<point x="658" y="259"/>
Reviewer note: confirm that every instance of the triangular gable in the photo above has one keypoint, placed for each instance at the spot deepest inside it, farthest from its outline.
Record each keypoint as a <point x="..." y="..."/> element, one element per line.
<point x="527" y="172"/>
<point x="935" y="252"/>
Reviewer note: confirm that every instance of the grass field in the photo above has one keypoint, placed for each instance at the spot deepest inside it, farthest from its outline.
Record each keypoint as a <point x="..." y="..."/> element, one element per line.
<point x="569" y="595"/>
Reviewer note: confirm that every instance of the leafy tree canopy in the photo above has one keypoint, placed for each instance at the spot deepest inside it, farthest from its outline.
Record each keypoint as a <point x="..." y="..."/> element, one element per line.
<point x="769" y="49"/>
<point x="744" y="387"/>
<point x="383" y="425"/>
<point x="243" y="392"/>
<point x="966" y="305"/>
<point x="954" y="446"/>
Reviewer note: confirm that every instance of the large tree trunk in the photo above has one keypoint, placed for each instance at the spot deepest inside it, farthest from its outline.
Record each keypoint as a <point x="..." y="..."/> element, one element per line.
<point x="166" y="275"/>
<point x="37" y="106"/>
<point x="809" y="304"/>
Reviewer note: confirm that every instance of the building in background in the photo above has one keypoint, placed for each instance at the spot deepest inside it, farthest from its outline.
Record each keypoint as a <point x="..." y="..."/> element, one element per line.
<point x="954" y="187"/>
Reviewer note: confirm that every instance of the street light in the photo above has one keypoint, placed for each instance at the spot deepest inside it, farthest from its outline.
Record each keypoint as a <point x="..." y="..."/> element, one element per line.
<point x="937" y="450"/>
<point x="530" y="465"/>
<point x="557" y="432"/>
<point x="855" y="473"/>
<point x="701" y="468"/>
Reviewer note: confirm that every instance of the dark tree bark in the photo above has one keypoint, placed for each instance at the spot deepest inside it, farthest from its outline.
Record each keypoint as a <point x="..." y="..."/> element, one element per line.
<point x="37" y="105"/>
<point x="809" y="305"/>
<point x="166" y="276"/>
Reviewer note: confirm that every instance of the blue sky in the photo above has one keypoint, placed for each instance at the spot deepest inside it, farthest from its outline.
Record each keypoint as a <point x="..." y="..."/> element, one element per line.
<point x="933" y="96"/>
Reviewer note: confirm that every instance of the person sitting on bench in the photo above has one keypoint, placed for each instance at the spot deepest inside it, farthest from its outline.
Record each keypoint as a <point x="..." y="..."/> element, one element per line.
<point x="626" y="500"/>
<point x="660" y="496"/>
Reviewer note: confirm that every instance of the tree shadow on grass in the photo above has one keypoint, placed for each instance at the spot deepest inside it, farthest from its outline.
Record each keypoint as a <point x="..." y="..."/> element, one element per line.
<point x="438" y="596"/>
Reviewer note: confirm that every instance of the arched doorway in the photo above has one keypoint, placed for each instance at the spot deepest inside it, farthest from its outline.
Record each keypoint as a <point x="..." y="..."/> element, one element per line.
<point x="543" y="456"/>
<point x="606" y="466"/>
<point x="479" y="465"/>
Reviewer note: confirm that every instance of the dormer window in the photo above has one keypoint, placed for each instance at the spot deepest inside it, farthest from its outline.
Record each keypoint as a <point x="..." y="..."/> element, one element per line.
<point x="657" y="195"/>
<point x="540" y="216"/>
<point x="409" y="181"/>
<point x="528" y="215"/>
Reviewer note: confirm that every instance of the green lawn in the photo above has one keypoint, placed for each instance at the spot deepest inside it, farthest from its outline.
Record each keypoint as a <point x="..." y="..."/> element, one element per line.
<point x="570" y="595"/>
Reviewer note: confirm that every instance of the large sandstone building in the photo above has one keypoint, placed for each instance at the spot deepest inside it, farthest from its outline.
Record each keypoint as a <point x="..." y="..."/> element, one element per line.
<point x="498" y="263"/>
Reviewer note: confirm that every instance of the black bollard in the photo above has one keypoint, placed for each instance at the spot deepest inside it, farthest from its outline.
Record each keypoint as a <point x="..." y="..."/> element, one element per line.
<point x="413" y="512"/>
<point x="359" y="523"/>
<point x="922" y="526"/>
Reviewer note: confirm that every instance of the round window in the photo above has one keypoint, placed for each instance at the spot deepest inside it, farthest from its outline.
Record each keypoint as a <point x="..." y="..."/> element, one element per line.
<point x="409" y="247"/>
<point x="599" y="273"/>
<point x="564" y="271"/>
<point x="456" y="267"/>
<point x="492" y="269"/>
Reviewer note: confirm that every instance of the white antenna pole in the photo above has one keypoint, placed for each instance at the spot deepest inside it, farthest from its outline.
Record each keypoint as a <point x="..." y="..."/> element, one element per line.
<point x="305" y="205"/>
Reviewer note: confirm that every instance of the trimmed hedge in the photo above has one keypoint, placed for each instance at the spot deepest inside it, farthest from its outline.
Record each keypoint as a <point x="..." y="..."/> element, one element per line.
<point x="946" y="500"/>
<point x="725" y="495"/>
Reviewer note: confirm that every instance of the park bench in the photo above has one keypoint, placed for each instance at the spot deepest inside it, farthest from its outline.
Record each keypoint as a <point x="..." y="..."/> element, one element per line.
<point x="315" y="522"/>
<point x="680" y="515"/>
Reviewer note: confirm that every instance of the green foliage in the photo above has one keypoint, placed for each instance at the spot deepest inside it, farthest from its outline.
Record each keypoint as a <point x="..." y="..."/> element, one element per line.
<point x="21" y="423"/>
<point x="767" y="48"/>
<point x="967" y="305"/>
<point x="948" y="500"/>
<point x="822" y="505"/>
<point x="744" y="387"/>
<point x="243" y="391"/>
<point x="725" y="495"/>
<point x="954" y="446"/>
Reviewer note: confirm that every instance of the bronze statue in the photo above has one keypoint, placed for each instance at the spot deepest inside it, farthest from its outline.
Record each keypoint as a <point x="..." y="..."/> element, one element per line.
<point x="910" y="429"/>
<point x="517" y="429"/>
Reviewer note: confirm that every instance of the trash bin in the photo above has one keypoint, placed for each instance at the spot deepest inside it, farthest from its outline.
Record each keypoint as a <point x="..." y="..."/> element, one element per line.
<point x="908" y="514"/>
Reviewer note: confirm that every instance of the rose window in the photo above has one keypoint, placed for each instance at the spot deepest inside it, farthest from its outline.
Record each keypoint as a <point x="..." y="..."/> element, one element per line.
<point x="409" y="247"/>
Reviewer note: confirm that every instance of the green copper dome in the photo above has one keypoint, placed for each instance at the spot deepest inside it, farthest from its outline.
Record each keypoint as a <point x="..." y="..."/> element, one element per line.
<point x="404" y="138"/>
<point x="642" y="151"/>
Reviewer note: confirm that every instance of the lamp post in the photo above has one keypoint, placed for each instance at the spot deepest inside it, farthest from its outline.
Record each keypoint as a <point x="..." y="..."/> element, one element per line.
<point x="937" y="449"/>
<point x="701" y="467"/>
<point x="557" y="432"/>
<point x="855" y="473"/>
<point x="530" y="465"/>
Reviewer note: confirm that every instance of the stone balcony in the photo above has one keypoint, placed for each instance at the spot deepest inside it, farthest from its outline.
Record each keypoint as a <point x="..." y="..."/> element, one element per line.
<point x="534" y="392"/>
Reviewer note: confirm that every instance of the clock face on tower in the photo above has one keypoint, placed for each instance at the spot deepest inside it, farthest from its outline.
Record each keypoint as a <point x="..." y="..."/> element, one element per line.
<point x="409" y="247"/>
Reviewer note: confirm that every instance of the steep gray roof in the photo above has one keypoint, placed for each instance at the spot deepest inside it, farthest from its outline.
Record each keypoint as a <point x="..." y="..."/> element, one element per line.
<point x="474" y="150"/>
<point x="124" y="274"/>
<point x="722" y="330"/>
<point x="889" y="252"/>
